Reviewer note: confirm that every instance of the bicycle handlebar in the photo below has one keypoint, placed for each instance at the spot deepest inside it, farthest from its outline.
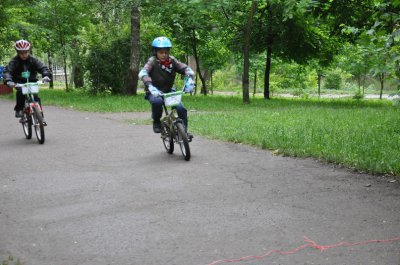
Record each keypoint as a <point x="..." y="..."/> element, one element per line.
<point x="19" y="85"/>
<point x="163" y="93"/>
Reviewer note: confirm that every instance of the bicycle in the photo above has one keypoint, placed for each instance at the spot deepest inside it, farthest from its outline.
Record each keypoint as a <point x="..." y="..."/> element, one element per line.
<point x="172" y="128"/>
<point x="32" y="114"/>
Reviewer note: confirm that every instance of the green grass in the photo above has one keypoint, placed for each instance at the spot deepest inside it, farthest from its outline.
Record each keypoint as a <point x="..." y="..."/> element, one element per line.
<point x="10" y="261"/>
<point x="359" y="134"/>
<point x="80" y="100"/>
<point x="366" y="138"/>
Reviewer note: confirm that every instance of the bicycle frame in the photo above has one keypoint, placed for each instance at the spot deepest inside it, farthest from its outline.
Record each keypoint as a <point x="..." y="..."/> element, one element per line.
<point x="32" y="112"/>
<point x="173" y="131"/>
<point x="30" y="102"/>
<point x="29" y="94"/>
<point x="171" y="117"/>
<point x="169" y="121"/>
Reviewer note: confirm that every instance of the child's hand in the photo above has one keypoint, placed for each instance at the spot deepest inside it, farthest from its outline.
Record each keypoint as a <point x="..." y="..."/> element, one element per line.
<point x="46" y="80"/>
<point x="189" y="85"/>
<point x="10" y="84"/>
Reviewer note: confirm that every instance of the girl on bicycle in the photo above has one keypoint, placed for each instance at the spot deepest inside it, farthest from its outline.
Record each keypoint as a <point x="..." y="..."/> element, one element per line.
<point x="158" y="75"/>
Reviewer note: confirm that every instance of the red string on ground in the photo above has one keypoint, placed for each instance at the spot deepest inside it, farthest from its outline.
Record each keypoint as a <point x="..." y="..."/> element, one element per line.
<point x="311" y="244"/>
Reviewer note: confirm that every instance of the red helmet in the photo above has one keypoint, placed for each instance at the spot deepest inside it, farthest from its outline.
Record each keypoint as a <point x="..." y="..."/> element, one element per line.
<point x="22" y="45"/>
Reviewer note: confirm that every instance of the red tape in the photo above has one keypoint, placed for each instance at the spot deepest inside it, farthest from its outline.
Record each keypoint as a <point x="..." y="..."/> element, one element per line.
<point x="311" y="244"/>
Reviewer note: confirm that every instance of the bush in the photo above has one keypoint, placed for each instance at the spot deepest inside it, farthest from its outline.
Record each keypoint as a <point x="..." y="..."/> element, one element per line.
<point x="108" y="66"/>
<point x="333" y="80"/>
<point x="358" y="95"/>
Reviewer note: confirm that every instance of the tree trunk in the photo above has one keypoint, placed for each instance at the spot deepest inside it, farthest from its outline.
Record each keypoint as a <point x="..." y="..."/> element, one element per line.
<point x="381" y="79"/>
<point x="133" y="75"/>
<point x="363" y="82"/>
<point x="267" y="72"/>
<point x="78" y="76"/>
<point x="72" y="77"/>
<point x="246" y="54"/>
<point x="211" y="82"/>
<point x="65" y="72"/>
<point x="319" y="83"/>
<point x="64" y="57"/>
<point x="269" y="51"/>
<point x="50" y="60"/>
<point x="255" y="82"/>
<point x="196" y="57"/>
<point x="196" y="81"/>
<point x="206" y="76"/>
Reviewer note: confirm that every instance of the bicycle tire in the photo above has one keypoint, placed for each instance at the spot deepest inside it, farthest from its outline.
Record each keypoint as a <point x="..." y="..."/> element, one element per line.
<point x="27" y="125"/>
<point x="183" y="140"/>
<point x="38" y="124"/>
<point x="167" y="138"/>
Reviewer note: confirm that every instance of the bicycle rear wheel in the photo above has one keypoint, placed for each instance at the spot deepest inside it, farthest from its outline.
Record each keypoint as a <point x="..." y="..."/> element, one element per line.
<point x="38" y="124"/>
<point x="26" y="121"/>
<point x="167" y="138"/>
<point x="183" y="140"/>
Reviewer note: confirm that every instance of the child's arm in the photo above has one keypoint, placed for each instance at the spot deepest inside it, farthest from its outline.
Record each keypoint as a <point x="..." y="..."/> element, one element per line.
<point x="145" y="77"/>
<point x="8" y="72"/>
<point x="41" y="67"/>
<point x="182" y="68"/>
<point x="144" y="73"/>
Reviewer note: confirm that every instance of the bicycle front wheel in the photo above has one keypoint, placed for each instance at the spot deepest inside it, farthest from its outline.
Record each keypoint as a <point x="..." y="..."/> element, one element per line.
<point x="167" y="138"/>
<point x="38" y="124"/>
<point x="183" y="140"/>
<point x="26" y="121"/>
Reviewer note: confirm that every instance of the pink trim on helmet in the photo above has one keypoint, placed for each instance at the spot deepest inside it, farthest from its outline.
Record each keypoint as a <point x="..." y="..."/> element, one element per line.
<point x="22" y="45"/>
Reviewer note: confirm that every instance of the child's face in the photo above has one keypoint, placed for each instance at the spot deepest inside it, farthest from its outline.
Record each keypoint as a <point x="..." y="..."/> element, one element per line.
<point x="162" y="54"/>
<point x="23" y="55"/>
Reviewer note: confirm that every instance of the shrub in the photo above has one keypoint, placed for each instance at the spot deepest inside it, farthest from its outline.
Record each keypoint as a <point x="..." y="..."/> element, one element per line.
<point x="333" y="80"/>
<point x="358" y="95"/>
<point x="109" y="65"/>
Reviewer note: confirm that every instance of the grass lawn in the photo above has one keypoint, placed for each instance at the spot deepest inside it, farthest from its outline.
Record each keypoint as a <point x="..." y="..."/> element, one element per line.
<point x="359" y="134"/>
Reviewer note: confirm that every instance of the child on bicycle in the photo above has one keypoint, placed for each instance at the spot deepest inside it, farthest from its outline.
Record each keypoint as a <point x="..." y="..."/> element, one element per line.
<point x="158" y="75"/>
<point x="24" y="62"/>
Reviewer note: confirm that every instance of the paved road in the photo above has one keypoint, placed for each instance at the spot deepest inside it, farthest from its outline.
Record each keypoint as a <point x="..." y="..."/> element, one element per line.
<point x="103" y="191"/>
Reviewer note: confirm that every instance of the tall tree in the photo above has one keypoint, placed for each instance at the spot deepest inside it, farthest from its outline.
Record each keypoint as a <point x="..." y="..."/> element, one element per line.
<point x="62" y="22"/>
<point x="135" y="49"/>
<point x="291" y="32"/>
<point x="285" y="29"/>
<point x="4" y="6"/>
<point x="14" y="24"/>
<point x="246" y="53"/>
<point x="192" y="22"/>
<point x="380" y="31"/>
<point x="237" y="20"/>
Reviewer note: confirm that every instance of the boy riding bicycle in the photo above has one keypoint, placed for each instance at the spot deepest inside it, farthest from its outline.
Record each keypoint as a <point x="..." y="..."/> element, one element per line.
<point x="24" y="62"/>
<point x="158" y="76"/>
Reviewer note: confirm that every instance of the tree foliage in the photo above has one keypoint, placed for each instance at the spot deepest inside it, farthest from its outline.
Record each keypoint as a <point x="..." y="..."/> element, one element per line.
<point x="94" y="37"/>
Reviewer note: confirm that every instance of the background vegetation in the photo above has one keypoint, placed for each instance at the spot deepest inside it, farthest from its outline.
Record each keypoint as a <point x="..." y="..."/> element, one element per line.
<point x="296" y="46"/>
<point x="253" y="49"/>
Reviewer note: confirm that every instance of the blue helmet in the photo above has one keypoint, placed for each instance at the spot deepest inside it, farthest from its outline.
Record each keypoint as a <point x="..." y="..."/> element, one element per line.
<point x="161" y="42"/>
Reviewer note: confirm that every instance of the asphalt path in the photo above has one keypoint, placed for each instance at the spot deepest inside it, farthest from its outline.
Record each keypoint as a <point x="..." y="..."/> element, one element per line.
<point x="102" y="190"/>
